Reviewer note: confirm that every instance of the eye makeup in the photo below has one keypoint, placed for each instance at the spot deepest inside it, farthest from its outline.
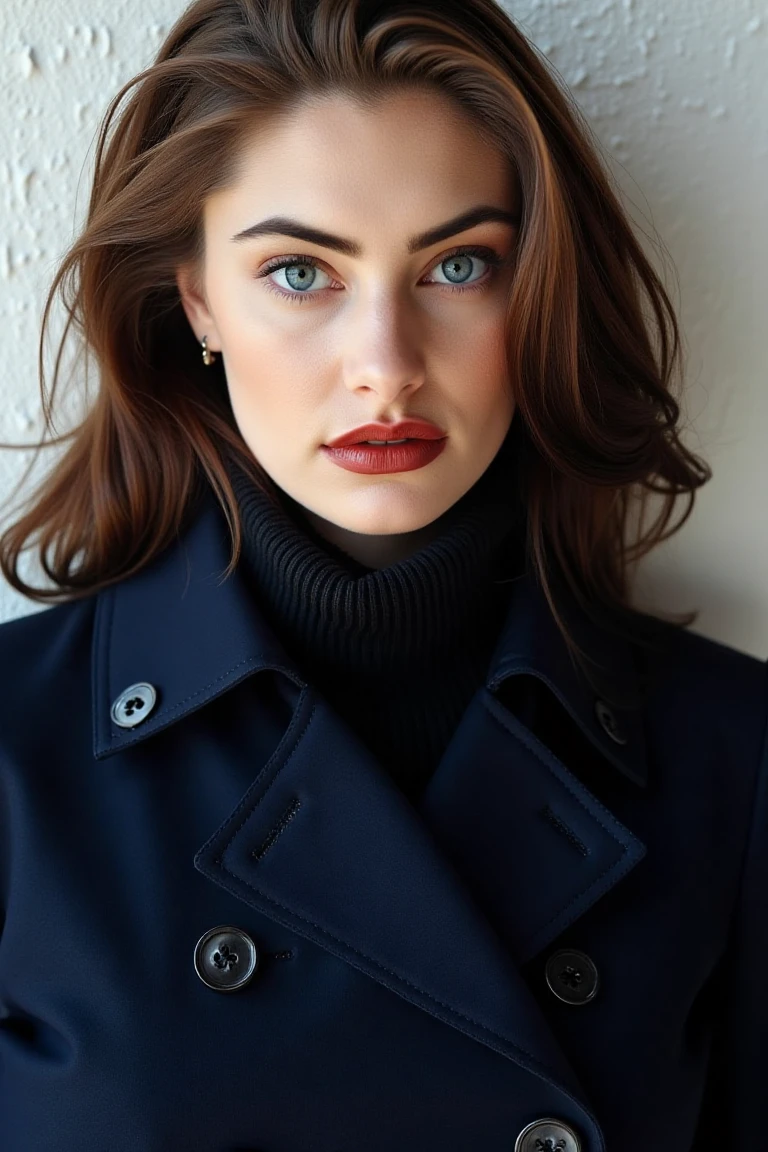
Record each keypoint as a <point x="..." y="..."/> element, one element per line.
<point x="488" y="255"/>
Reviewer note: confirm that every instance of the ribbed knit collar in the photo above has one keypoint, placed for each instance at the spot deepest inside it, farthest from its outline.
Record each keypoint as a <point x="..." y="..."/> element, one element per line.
<point x="334" y="614"/>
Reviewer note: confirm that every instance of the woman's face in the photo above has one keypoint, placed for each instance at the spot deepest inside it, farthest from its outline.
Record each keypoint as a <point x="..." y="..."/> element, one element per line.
<point x="338" y="339"/>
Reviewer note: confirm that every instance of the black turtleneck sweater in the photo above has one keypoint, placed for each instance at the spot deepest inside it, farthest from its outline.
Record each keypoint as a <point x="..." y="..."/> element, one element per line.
<point x="399" y="651"/>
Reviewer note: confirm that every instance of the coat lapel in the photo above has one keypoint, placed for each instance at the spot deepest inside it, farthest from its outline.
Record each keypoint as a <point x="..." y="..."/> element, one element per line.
<point x="536" y="848"/>
<point x="440" y="902"/>
<point x="324" y="843"/>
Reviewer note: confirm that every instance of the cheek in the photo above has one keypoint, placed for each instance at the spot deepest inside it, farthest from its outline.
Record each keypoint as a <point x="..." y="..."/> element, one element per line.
<point x="257" y="345"/>
<point x="262" y="366"/>
<point x="489" y="341"/>
<point x="477" y="341"/>
<point x="477" y="370"/>
<point x="491" y="361"/>
<point x="275" y="396"/>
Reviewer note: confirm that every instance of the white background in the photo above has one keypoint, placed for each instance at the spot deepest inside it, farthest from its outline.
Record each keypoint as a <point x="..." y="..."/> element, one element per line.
<point x="675" y="93"/>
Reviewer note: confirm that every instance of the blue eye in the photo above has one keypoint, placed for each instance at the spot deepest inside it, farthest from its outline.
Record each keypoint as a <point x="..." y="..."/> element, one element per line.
<point x="486" y="255"/>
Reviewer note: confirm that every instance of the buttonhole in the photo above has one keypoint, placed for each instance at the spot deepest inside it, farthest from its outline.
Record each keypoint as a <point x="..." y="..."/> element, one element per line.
<point x="282" y="823"/>
<point x="569" y="834"/>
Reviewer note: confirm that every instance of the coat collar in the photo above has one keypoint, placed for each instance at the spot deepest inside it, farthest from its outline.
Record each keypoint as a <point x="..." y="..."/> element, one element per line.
<point x="323" y="842"/>
<point x="179" y="626"/>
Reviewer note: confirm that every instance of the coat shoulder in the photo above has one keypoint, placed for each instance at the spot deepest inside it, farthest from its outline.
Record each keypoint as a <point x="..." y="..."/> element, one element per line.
<point x="708" y="683"/>
<point x="43" y="629"/>
<point x="675" y="651"/>
<point x="41" y="650"/>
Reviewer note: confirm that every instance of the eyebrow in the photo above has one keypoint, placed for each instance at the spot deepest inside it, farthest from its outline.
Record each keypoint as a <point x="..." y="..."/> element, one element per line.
<point x="283" y="226"/>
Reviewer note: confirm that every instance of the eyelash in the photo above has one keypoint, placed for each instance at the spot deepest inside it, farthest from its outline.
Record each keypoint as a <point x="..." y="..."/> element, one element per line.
<point x="487" y="255"/>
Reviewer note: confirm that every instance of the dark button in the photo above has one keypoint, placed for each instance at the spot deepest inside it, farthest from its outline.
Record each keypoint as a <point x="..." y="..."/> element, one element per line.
<point x="133" y="705"/>
<point x="608" y="722"/>
<point x="226" y="958"/>
<point x="572" y="976"/>
<point x="548" y="1135"/>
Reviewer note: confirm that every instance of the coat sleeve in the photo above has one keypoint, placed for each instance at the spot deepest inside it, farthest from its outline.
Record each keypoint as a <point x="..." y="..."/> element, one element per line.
<point x="5" y="848"/>
<point x="735" y="1108"/>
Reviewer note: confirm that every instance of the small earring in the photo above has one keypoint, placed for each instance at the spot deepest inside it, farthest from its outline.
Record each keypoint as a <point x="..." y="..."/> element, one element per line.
<point x="208" y="356"/>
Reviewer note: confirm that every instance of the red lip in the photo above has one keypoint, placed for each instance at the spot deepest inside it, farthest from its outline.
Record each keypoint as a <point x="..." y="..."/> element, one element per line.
<point x="375" y="460"/>
<point x="413" y="429"/>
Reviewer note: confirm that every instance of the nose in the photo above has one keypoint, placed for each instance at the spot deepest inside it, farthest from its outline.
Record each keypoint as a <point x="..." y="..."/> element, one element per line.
<point x="387" y="358"/>
<point x="387" y="388"/>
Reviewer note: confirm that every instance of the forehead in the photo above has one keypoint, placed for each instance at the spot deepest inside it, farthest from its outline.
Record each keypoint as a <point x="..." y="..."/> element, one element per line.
<point x="414" y="155"/>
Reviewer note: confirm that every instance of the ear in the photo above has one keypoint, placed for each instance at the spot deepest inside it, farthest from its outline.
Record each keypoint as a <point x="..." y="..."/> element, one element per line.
<point x="195" y="306"/>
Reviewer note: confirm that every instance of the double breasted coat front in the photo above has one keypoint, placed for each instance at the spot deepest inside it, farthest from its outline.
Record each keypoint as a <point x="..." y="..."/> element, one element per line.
<point x="225" y="929"/>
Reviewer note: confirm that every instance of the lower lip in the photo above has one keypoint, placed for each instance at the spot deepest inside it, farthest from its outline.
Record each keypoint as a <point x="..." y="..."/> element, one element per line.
<point x="375" y="460"/>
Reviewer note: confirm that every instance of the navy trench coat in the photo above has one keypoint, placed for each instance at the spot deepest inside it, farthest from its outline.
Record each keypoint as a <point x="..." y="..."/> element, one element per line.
<point x="225" y="928"/>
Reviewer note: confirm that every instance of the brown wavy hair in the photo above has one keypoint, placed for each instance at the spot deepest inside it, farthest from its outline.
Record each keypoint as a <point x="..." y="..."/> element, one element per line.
<point x="593" y="343"/>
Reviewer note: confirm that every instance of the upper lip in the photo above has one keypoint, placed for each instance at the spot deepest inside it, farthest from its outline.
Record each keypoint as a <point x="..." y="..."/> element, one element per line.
<point x="412" y="429"/>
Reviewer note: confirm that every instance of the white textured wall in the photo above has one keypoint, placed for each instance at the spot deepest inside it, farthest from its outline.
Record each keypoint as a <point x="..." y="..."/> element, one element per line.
<point x="677" y="96"/>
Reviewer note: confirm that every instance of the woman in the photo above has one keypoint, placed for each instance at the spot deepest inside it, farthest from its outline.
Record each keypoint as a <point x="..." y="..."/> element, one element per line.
<point x="347" y="803"/>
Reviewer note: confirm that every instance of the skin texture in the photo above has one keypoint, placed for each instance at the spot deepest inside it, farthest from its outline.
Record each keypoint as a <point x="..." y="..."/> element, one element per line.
<point x="381" y="336"/>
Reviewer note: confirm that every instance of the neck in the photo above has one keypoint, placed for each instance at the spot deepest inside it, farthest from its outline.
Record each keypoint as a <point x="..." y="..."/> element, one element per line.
<point x="372" y="551"/>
